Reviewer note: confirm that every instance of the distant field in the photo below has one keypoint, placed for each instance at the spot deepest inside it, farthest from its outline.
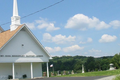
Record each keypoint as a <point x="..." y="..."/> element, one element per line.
<point x="98" y="73"/>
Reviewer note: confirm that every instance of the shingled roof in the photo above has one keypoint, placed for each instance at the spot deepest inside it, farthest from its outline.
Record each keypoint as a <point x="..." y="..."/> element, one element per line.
<point x="7" y="35"/>
<point x="1" y="29"/>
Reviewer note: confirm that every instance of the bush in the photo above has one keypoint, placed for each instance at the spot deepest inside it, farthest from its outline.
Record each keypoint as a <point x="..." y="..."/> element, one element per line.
<point x="10" y="77"/>
<point x="24" y="76"/>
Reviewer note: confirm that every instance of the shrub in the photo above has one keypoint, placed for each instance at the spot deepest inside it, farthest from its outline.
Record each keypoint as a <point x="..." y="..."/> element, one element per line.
<point x="10" y="77"/>
<point x="24" y="76"/>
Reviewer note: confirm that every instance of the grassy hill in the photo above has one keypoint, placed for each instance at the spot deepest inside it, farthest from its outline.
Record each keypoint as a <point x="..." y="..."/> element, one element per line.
<point x="97" y="73"/>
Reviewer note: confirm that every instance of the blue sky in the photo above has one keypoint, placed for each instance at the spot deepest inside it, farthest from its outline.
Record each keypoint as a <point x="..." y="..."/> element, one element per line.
<point x="73" y="27"/>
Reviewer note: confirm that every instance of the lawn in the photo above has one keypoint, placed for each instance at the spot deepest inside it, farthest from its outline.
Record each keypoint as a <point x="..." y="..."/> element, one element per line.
<point x="117" y="77"/>
<point x="97" y="73"/>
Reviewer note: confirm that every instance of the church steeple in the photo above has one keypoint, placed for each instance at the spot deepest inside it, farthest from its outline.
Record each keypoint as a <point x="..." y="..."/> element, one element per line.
<point x="15" y="8"/>
<point x="15" y="19"/>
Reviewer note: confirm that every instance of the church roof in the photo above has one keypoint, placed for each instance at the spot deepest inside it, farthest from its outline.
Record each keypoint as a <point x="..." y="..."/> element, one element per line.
<point x="1" y="29"/>
<point x="7" y="35"/>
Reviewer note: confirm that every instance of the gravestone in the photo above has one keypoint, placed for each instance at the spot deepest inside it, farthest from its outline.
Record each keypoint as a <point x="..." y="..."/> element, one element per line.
<point x="44" y="74"/>
<point x="52" y="74"/>
<point x="72" y="72"/>
<point x="83" y="69"/>
<point x="58" y="73"/>
<point x="68" y="72"/>
<point x="64" y="72"/>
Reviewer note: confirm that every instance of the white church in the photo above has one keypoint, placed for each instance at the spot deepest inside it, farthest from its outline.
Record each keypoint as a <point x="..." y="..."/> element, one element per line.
<point x="21" y="54"/>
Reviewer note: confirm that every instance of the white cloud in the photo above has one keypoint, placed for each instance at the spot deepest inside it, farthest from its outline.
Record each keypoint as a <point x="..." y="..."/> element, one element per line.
<point x="95" y="51"/>
<point x="53" y="50"/>
<point x="58" y="39"/>
<point x="82" y="22"/>
<point x="47" y="37"/>
<point x="81" y="42"/>
<point x="31" y="25"/>
<point x="72" y="48"/>
<point x="49" y="26"/>
<point x="89" y="40"/>
<point x="115" y="24"/>
<point x="107" y="38"/>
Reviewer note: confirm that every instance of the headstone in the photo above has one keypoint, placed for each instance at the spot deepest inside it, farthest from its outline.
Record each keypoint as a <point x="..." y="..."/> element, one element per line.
<point x="58" y="72"/>
<point x="64" y="72"/>
<point x="83" y="69"/>
<point x="68" y="72"/>
<point x="72" y="72"/>
<point x="44" y="74"/>
<point x="52" y="74"/>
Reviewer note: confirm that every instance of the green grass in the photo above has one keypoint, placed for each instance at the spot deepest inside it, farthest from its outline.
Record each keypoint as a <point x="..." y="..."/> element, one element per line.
<point x="98" y="73"/>
<point x="117" y="77"/>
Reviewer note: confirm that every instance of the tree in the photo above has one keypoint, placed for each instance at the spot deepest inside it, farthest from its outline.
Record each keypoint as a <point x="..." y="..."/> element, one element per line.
<point x="90" y="64"/>
<point x="97" y="65"/>
<point x="116" y="60"/>
<point x="78" y="66"/>
<point x="105" y="64"/>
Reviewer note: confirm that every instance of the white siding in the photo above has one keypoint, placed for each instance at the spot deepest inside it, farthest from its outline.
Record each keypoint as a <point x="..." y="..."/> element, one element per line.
<point x="14" y="47"/>
<point x="20" y="70"/>
<point x="5" y="70"/>
<point x="37" y="70"/>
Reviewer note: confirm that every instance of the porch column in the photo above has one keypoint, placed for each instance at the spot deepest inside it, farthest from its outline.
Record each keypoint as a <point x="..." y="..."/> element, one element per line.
<point x="31" y="70"/>
<point x="13" y="70"/>
<point x="47" y="70"/>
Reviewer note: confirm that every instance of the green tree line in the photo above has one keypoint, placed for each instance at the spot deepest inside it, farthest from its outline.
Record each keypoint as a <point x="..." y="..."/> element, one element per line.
<point x="90" y="63"/>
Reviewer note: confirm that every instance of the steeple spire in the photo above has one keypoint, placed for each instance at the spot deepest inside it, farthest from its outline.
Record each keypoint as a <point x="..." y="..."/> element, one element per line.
<point x="15" y="19"/>
<point x="15" y="8"/>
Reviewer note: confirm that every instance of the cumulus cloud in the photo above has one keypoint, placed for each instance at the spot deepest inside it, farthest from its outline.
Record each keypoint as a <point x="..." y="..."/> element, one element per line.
<point x="58" y="39"/>
<point x="47" y="37"/>
<point x="95" y="51"/>
<point x="89" y="40"/>
<point x="31" y="25"/>
<point x="81" y="42"/>
<point x="82" y="22"/>
<point x="72" y="48"/>
<point x="107" y="38"/>
<point x="115" y="24"/>
<point x="49" y="26"/>
<point x="53" y="50"/>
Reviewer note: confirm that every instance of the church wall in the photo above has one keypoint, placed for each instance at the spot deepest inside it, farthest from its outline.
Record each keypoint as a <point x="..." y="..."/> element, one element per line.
<point x="23" y="44"/>
<point x="37" y="69"/>
<point x="5" y="70"/>
<point x="20" y="70"/>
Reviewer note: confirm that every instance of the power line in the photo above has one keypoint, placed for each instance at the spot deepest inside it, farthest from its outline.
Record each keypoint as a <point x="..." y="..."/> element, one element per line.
<point x="35" y="12"/>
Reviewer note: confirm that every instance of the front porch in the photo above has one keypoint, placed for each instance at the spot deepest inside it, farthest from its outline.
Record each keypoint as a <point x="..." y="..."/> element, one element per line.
<point x="17" y="70"/>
